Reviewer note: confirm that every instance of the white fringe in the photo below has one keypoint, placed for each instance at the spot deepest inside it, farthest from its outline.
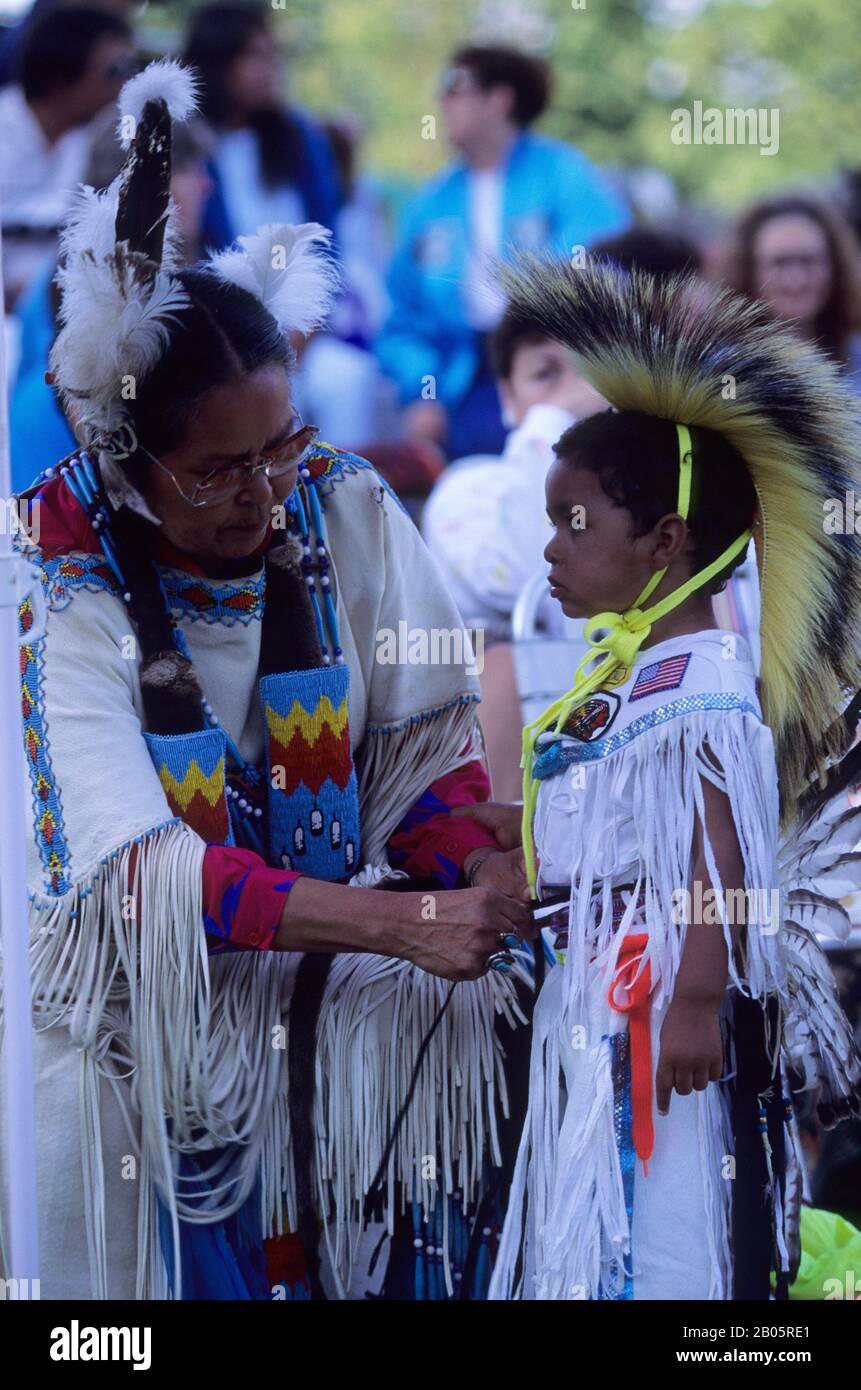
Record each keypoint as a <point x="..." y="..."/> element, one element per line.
<point x="193" y="1049"/>
<point x="567" y="1178"/>
<point x="396" y="763"/>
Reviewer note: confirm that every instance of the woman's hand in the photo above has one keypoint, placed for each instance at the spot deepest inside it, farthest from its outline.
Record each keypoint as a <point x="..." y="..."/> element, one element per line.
<point x="466" y="928"/>
<point x="506" y="872"/>
<point x="502" y="819"/>
<point x="449" y="933"/>
<point x="691" y="1049"/>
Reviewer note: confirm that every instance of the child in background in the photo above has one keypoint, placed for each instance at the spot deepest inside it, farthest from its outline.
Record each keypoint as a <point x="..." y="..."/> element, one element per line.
<point x="484" y="522"/>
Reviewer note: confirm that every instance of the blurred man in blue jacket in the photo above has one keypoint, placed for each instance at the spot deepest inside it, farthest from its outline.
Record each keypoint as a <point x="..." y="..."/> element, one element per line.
<point x="510" y="190"/>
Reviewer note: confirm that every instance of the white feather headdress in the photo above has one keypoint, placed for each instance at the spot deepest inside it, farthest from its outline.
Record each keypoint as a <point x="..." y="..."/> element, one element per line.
<point x="114" y="315"/>
<point x="118" y="254"/>
<point x="288" y="268"/>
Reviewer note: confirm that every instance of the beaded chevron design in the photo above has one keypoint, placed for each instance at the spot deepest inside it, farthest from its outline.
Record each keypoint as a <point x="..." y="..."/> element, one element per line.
<point x="191" y="769"/>
<point x="311" y="746"/>
<point x="48" y="823"/>
<point x="313" y="794"/>
<point x="63" y="575"/>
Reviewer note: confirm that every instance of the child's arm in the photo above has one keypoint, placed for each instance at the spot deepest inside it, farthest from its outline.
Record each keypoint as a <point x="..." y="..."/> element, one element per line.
<point x="691" y="1053"/>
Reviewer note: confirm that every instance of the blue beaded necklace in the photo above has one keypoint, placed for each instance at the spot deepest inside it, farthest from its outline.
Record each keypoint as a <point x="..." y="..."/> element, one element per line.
<point x="306" y="486"/>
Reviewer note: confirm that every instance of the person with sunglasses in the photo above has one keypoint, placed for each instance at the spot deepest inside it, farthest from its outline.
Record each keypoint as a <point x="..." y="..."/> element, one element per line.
<point x="509" y="190"/>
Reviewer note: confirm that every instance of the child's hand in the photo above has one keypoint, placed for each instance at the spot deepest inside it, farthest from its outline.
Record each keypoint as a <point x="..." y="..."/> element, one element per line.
<point x="502" y="819"/>
<point x="691" y="1050"/>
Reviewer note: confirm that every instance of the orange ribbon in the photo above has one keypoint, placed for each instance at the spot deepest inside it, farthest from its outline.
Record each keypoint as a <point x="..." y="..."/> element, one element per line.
<point x="638" y="988"/>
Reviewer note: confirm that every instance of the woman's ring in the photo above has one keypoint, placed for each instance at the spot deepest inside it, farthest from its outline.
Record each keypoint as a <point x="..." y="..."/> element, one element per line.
<point x="500" y="960"/>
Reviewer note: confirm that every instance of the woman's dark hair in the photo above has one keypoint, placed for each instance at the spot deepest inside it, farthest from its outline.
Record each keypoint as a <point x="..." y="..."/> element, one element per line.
<point x="841" y="313"/>
<point x="496" y="67"/>
<point x="218" y="35"/>
<point x="222" y="333"/>
<point x="56" y="50"/>
<point x="636" y="459"/>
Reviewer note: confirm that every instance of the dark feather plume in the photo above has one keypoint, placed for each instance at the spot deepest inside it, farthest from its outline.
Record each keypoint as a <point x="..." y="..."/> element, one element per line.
<point x="144" y="196"/>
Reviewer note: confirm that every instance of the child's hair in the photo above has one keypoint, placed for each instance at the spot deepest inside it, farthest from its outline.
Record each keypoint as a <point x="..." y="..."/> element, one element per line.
<point x="511" y="333"/>
<point x="636" y="459"/>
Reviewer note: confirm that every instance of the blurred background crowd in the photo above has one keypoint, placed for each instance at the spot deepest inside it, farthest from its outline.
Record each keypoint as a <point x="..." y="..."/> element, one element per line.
<point x="433" y="138"/>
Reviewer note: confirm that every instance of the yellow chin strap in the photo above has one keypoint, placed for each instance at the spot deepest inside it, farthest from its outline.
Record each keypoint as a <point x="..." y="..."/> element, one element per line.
<point x="625" y="633"/>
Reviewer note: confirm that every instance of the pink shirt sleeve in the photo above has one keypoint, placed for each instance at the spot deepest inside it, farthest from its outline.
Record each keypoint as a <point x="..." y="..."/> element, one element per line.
<point x="242" y="899"/>
<point x="429" y="842"/>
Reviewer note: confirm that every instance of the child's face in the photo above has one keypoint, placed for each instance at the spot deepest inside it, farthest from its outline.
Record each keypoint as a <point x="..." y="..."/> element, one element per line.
<point x="596" y="562"/>
<point x="543" y="373"/>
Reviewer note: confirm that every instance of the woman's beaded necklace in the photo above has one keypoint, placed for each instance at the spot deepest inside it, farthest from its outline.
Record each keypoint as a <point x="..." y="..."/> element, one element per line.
<point x="328" y="618"/>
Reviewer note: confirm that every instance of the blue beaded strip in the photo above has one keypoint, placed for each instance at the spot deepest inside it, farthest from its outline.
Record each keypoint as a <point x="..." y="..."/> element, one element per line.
<point x="83" y="887"/>
<point x="80" y="478"/>
<point x="423" y="717"/>
<point x="555" y="758"/>
<point x="306" y="500"/>
<point x="620" y="1067"/>
<point x="48" y="820"/>
<point x="429" y="1267"/>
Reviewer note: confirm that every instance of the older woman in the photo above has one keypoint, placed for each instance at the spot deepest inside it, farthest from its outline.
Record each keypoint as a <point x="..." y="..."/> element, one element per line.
<point x="226" y="754"/>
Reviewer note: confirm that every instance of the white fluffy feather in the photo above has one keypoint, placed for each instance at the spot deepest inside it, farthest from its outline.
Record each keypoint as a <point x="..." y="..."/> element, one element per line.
<point x="288" y="268"/>
<point x="113" y="324"/>
<point x="166" y="80"/>
<point x="818" y="866"/>
<point x="90" y="231"/>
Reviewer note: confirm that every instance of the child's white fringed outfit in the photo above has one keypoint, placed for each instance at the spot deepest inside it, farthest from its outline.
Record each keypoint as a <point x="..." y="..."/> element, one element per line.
<point x="620" y="792"/>
<point x="609" y="1199"/>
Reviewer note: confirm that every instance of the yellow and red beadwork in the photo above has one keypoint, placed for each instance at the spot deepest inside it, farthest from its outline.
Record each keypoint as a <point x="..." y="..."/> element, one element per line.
<point x="48" y="822"/>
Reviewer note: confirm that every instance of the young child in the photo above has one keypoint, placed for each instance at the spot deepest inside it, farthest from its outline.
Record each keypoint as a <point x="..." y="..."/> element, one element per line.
<point x="654" y="793"/>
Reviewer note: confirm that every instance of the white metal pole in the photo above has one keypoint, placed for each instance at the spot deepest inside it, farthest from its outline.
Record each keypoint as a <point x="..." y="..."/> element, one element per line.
<point x="18" y="1119"/>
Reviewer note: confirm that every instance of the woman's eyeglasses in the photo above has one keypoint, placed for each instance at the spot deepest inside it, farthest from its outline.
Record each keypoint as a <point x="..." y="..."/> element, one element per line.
<point x="223" y="483"/>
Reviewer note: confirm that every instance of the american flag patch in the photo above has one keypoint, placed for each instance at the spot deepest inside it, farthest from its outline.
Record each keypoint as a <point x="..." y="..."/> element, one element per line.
<point x="661" y="675"/>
